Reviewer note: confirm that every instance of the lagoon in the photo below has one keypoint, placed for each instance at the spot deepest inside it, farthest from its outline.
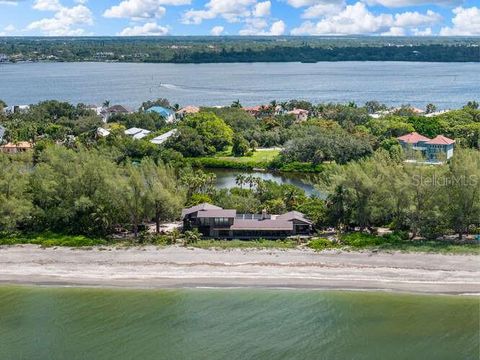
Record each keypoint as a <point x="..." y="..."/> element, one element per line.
<point x="47" y="323"/>
<point x="448" y="85"/>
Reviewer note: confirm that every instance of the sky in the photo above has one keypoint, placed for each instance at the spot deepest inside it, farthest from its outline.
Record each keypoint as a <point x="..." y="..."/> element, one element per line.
<point x="239" y="17"/>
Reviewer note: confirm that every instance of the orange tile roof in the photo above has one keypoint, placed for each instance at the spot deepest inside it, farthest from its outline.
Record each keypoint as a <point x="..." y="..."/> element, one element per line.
<point x="413" y="138"/>
<point x="441" y="140"/>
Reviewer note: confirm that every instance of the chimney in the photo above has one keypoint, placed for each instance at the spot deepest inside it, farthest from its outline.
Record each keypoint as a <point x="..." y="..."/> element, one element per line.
<point x="264" y="214"/>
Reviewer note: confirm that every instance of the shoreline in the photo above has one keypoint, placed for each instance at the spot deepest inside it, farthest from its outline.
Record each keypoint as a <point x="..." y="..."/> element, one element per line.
<point x="178" y="267"/>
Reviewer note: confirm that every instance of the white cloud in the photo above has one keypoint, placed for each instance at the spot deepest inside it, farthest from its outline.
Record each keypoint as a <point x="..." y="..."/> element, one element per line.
<point x="354" y="19"/>
<point x="408" y="19"/>
<point x="358" y="19"/>
<point x="65" y="21"/>
<point x="231" y="10"/>
<point x="425" y="32"/>
<point x="405" y="3"/>
<point x="217" y="30"/>
<point x="262" y="9"/>
<point x="47" y="5"/>
<point x="394" y="31"/>
<point x="147" y="29"/>
<point x="320" y="10"/>
<point x="141" y="9"/>
<point x="466" y="21"/>
<point x="258" y="28"/>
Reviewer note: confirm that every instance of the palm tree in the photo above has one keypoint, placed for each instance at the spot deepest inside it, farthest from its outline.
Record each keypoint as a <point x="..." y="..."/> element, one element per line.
<point x="106" y="104"/>
<point x="240" y="180"/>
<point x="236" y="104"/>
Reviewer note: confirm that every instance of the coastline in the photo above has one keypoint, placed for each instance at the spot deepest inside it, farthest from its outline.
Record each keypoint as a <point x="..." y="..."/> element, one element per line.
<point x="179" y="267"/>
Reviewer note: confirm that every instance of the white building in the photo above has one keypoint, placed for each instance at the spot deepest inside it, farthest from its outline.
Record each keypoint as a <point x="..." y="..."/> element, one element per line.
<point x="164" y="137"/>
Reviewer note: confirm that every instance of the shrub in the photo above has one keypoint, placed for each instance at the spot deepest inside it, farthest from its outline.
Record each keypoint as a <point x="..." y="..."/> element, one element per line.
<point x="320" y="244"/>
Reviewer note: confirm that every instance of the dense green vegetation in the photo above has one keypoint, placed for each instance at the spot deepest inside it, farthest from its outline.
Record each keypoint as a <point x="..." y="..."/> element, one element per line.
<point x="240" y="49"/>
<point x="78" y="183"/>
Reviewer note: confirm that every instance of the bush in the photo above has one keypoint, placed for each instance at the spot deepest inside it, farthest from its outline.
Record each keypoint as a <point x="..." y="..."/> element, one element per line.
<point x="360" y="240"/>
<point x="320" y="244"/>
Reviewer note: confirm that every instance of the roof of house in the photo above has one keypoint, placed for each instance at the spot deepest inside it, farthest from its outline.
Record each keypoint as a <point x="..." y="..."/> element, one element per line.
<point x="117" y="109"/>
<point x="19" y="145"/>
<point x="413" y="138"/>
<point x="253" y="108"/>
<point x="200" y="207"/>
<point x="293" y="215"/>
<point x="217" y="213"/>
<point x="268" y="224"/>
<point x="134" y="131"/>
<point x="164" y="137"/>
<point x="440" y="140"/>
<point x="141" y="134"/>
<point x="160" y="110"/>
<point x="298" y="111"/>
<point x="103" y="132"/>
<point x="189" y="110"/>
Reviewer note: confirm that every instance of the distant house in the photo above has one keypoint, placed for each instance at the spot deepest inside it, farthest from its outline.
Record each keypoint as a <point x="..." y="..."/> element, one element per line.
<point x="168" y="114"/>
<point x="433" y="150"/>
<point x="16" y="109"/>
<point x="254" y="110"/>
<point x="299" y="114"/>
<point x="113" y="110"/>
<point x="213" y="221"/>
<point x="137" y="133"/>
<point x="164" y="137"/>
<point x="103" y="132"/>
<point x="19" y="147"/>
<point x="2" y="133"/>
<point x="187" y="110"/>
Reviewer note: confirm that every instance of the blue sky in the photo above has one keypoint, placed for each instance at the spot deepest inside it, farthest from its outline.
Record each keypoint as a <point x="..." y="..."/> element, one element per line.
<point x="239" y="17"/>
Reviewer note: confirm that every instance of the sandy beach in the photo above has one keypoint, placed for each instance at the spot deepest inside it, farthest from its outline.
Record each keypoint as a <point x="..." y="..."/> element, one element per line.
<point x="172" y="267"/>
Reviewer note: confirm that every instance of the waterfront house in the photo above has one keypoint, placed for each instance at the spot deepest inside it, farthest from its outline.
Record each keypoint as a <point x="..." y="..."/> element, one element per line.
<point x="187" y="110"/>
<point x="113" y="110"/>
<point x="14" y="148"/>
<point x="164" y="137"/>
<point x="254" y="110"/>
<point x="213" y="221"/>
<point x="300" y="115"/>
<point x="167" y="114"/>
<point x="435" y="150"/>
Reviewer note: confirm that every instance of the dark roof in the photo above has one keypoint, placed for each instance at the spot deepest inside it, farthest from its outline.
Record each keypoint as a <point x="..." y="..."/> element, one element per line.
<point x="201" y="207"/>
<point x="269" y="224"/>
<point x="118" y="109"/>
<point x="216" y="213"/>
<point x="293" y="215"/>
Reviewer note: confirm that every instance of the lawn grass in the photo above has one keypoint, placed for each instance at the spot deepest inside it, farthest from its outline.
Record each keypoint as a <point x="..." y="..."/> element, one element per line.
<point x="49" y="239"/>
<point x="259" y="156"/>
<point x="245" y="244"/>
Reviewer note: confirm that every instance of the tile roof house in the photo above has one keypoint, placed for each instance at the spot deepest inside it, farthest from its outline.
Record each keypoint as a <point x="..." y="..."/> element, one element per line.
<point x="188" y="110"/>
<point x="113" y="110"/>
<point x="14" y="148"/>
<point x="299" y="114"/>
<point x="215" y="222"/>
<point x="435" y="150"/>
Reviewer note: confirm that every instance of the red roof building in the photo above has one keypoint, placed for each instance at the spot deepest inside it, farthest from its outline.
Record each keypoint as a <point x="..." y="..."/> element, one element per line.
<point x="440" y="140"/>
<point x="413" y="138"/>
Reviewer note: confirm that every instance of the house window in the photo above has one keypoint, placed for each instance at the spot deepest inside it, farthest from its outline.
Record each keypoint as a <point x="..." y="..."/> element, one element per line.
<point x="222" y="221"/>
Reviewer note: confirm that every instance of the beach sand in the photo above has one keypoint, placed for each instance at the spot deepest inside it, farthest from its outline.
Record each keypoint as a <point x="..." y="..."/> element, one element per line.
<point x="174" y="267"/>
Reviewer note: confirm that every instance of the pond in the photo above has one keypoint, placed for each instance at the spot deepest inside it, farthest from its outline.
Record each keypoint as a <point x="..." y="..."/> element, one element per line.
<point x="226" y="179"/>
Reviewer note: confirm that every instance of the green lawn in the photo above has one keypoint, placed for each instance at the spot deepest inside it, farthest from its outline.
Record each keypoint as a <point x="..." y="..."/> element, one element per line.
<point x="259" y="156"/>
<point x="49" y="239"/>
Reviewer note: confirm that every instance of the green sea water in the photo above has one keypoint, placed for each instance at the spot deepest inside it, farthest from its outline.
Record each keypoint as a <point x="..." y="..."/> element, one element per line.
<point x="45" y="323"/>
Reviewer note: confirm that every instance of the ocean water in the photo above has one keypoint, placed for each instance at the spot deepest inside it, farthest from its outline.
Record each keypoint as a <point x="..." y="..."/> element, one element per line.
<point x="449" y="85"/>
<point x="80" y="323"/>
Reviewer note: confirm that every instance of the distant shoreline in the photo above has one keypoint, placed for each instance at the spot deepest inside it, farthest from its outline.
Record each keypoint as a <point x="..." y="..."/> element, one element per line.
<point x="179" y="267"/>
